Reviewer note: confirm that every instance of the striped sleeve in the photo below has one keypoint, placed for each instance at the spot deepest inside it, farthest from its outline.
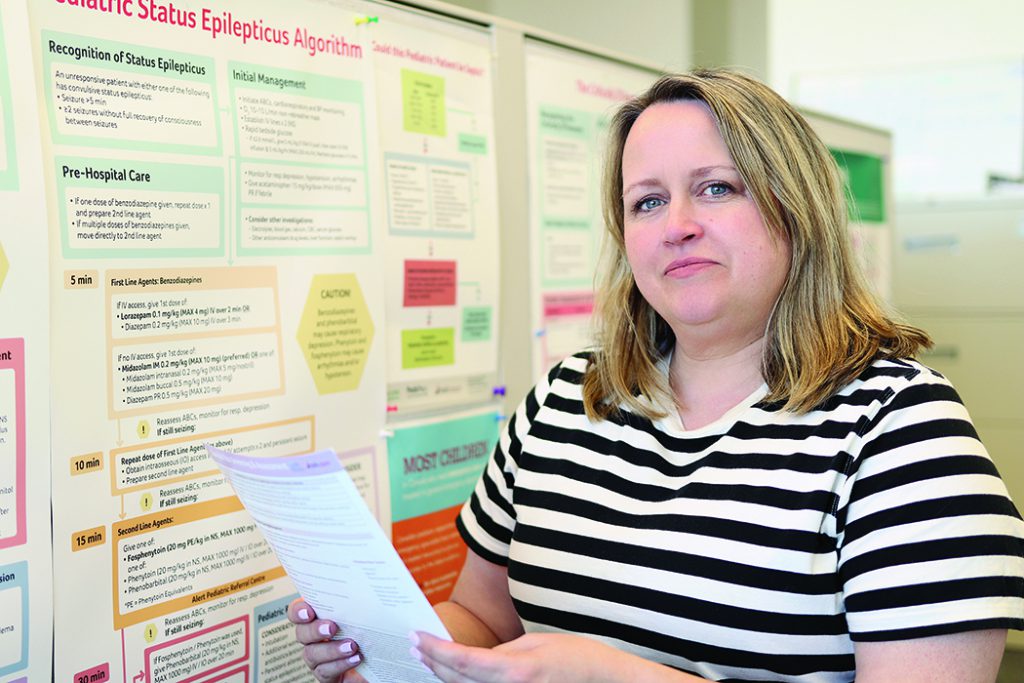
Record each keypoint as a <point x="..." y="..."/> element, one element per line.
<point x="488" y="518"/>
<point x="929" y="541"/>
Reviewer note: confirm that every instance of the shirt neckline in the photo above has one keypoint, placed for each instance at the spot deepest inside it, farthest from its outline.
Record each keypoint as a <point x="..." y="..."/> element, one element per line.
<point x="672" y="423"/>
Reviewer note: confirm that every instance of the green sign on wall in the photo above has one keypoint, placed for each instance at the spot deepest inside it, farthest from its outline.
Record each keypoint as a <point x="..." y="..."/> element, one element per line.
<point x="865" y="184"/>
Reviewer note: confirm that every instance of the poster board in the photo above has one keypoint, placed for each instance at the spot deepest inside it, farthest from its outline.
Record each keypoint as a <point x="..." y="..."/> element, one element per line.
<point x="570" y="99"/>
<point x="211" y="179"/>
<point x="441" y="194"/>
<point x="25" y="562"/>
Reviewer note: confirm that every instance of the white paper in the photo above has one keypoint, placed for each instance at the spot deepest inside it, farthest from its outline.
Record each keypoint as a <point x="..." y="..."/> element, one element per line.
<point x="336" y="555"/>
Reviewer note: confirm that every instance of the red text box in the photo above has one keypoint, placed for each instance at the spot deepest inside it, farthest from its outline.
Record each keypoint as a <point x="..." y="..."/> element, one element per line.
<point x="429" y="283"/>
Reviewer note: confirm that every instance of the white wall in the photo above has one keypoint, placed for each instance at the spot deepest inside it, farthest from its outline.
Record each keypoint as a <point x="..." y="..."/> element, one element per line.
<point x="657" y="32"/>
<point x="815" y="36"/>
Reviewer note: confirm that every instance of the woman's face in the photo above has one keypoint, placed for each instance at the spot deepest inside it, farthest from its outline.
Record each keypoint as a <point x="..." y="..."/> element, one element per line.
<point x="695" y="240"/>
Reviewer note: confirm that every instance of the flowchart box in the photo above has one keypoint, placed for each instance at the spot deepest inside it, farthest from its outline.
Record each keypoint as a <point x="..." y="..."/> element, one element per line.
<point x="178" y="338"/>
<point x="183" y="459"/>
<point x="174" y="560"/>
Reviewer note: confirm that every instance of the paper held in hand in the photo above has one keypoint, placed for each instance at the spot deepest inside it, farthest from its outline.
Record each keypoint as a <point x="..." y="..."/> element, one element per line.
<point x="337" y="556"/>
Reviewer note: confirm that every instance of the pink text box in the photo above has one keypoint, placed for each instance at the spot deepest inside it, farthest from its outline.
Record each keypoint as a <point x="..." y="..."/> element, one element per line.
<point x="12" y="357"/>
<point x="429" y="283"/>
<point x="559" y="304"/>
<point x="174" y="666"/>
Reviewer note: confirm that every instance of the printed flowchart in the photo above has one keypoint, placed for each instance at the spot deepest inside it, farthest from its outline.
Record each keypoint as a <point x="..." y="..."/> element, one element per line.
<point x="218" y="282"/>
<point x="440" y="182"/>
<point x="570" y="100"/>
<point x="270" y="229"/>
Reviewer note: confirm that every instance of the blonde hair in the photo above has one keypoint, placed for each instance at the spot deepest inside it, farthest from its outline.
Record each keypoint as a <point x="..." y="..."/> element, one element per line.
<point x="827" y="326"/>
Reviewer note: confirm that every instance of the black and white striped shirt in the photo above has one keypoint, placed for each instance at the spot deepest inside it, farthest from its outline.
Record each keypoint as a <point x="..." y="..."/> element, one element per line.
<point x="761" y="546"/>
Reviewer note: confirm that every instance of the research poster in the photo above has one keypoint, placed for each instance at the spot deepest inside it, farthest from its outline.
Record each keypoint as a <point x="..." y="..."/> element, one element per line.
<point x="26" y="611"/>
<point x="440" y="186"/>
<point x="212" y="178"/>
<point x="435" y="464"/>
<point x="570" y="99"/>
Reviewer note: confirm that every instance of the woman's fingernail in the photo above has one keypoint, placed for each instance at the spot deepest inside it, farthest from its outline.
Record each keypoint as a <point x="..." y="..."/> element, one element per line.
<point x="353" y="660"/>
<point x="414" y="638"/>
<point x="416" y="654"/>
<point x="324" y="629"/>
<point x="304" y="614"/>
<point x="346" y="648"/>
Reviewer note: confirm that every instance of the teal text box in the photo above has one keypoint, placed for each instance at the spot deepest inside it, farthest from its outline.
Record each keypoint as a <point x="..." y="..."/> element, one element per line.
<point x="273" y="615"/>
<point x="269" y="79"/>
<point x="582" y="126"/>
<point x="15" y="577"/>
<point x="9" y="173"/>
<point x="277" y="80"/>
<point x="566" y="122"/>
<point x="427" y="163"/>
<point x="178" y="178"/>
<point x="435" y="466"/>
<point x="142" y="61"/>
<point x="472" y="144"/>
<point x="476" y="323"/>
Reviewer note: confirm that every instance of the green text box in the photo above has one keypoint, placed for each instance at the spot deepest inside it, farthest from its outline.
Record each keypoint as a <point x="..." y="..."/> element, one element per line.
<point x="566" y="122"/>
<point x="423" y="103"/>
<point x="9" y="170"/>
<point x="123" y="60"/>
<point x="179" y="179"/>
<point x="435" y="466"/>
<point x="428" y="347"/>
<point x="476" y="323"/>
<point x="277" y="80"/>
<point x="248" y="76"/>
<point x="472" y="144"/>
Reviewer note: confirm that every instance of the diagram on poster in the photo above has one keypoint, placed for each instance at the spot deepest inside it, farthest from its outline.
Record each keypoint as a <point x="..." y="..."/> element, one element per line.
<point x="570" y="98"/>
<point x="437" y="140"/>
<point x="212" y="181"/>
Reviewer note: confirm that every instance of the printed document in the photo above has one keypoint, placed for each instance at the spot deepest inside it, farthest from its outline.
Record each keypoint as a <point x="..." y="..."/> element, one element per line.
<point x="337" y="556"/>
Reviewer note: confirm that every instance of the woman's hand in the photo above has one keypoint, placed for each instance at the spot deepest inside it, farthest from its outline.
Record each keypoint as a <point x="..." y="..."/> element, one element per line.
<point x="331" y="661"/>
<point x="533" y="658"/>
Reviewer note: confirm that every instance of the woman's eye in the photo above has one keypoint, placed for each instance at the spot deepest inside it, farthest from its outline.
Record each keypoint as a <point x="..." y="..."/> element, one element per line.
<point x="648" y="204"/>
<point x="716" y="190"/>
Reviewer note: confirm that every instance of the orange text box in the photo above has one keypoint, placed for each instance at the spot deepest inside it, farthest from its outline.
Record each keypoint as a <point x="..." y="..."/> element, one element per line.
<point x="433" y="551"/>
<point x="191" y="337"/>
<point x="88" y="538"/>
<point x="84" y="464"/>
<point x="176" y="460"/>
<point x="171" y="561"/>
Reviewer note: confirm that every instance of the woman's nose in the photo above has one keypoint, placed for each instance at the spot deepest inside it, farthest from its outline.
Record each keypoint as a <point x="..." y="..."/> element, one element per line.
<point x="682" y="223"/>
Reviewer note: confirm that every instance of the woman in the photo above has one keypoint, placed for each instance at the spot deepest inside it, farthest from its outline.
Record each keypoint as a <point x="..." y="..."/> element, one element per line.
<point x="749" y="479"/>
